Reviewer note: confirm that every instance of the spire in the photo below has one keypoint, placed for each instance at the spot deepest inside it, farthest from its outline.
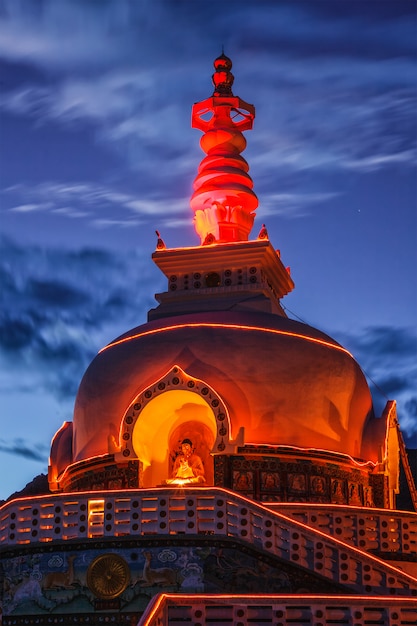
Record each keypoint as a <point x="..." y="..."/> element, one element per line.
<point x="223" y="201"/>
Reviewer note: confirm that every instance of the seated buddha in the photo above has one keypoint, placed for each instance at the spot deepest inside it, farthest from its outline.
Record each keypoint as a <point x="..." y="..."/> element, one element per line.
<point x="188" y="467"/>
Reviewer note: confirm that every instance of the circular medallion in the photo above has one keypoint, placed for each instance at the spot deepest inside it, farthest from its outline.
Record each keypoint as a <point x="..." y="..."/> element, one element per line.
<point x="213" y="279"/>
<point x="108" y="576"/>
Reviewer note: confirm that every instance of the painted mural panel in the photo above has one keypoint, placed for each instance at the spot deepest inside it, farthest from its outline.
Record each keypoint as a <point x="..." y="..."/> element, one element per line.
<point x="57" y="582"/>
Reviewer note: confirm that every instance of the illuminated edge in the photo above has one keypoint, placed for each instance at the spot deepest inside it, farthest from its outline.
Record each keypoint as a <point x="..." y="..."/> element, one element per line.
<point x="285" y="448"/>
<point x="144" y="400"/>
<point x="231" y="326"/>
<point x="157" y="603"/>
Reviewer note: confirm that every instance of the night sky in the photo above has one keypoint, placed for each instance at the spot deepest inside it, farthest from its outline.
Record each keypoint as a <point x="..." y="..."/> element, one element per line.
<point x="97" y="152"/>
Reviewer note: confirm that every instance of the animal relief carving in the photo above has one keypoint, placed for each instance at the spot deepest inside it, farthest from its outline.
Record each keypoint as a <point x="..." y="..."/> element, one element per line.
<point x="61" y="580"/>
<point x="162" y="576"/>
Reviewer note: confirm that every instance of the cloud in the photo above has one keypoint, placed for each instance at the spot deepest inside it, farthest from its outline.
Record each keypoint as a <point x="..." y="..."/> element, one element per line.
<point x="68" y="33"/>
<point x="127" y="111"/>
<point x="149" y="206"/>
<point x="112" y="96"/>
<point x="27" y="208"/>
<point x="357" y="29"/>
<point x="110" y="223"/>
<point x="25" y="449"/>
<point x="95" y="203"/>
<point x="332" y="128"/>
<point x="292" y="204"/>
<point x="73" y="33"/>
<point x="375" y="162"/>
<point x="69" y="212"/>
<point x="51" y="328"/>
<point x="361" y="129"/>
<point x="387" y="356"/>
<point x="54" y="293"/>
<point x="334" y="89"/>
<point x="385" y="341"/>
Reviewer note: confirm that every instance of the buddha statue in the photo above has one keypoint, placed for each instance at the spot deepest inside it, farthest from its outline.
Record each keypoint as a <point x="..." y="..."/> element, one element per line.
<point x="188" y="467"/>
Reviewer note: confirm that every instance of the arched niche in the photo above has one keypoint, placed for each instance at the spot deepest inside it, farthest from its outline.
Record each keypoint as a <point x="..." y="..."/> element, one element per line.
<point x="175" y="407"/>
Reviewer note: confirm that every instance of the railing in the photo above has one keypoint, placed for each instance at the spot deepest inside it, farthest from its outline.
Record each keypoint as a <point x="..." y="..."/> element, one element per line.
<point x="200" y="511"/>
<point x="378" y="530"/>
<point x="406" y="466"/>
<point x="199" y="610"/>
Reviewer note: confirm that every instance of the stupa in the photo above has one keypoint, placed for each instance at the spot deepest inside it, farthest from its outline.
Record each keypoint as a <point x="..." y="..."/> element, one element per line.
<point x="224" y="463"/>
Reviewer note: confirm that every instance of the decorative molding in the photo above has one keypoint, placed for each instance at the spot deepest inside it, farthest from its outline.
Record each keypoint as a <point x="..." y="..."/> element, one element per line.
<point x="176" y="379"/>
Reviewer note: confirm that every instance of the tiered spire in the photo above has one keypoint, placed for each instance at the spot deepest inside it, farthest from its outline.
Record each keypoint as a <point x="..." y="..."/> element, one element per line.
<point x="223" y="201"/>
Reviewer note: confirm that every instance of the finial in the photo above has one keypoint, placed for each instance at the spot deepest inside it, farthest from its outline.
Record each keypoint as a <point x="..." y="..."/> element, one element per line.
<point x="160" y="243"/>
<point x="263" y="233"/>
<point x="209" y="240"/>
<point x="222" y="77"/>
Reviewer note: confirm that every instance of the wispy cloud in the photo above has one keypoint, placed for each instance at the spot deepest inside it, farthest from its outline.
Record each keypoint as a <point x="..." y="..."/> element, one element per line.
<point x="26" y="449"/>
<point x="360" y="129"/>
<point x="91" y="201"/>
<point x="58" y="35"/>
<point x="28" y="208"/>
<point x="375" y="162"/>
<point x="326" y="99"/>
<point x="112" y="96"/>
<point x="292" y="204"/>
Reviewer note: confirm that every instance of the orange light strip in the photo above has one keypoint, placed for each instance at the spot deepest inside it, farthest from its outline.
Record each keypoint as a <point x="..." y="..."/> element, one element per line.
<point x="79" y="463"/>
<point x="333" y="507"/>
<point x="272" y="331"/>
<point x="255" y="243"/>
<point x="58" y="432"/>
<point x="342" y="454"/>
<point x="142" y="492"/>
<point x="178" y="599"/>
<point x="153" y="608"/>
<point x="391" y="410"/>
<point x="279" y="598"/>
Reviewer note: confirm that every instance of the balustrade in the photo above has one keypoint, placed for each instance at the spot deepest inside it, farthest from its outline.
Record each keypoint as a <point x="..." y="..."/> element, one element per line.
<point x="217" y="512"/>
<point x="167" y="609"/>
<point x="369" y="529"/>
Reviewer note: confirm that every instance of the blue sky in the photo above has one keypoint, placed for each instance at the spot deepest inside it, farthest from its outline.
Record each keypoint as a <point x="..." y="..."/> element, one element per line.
<point x="97" y="152"/>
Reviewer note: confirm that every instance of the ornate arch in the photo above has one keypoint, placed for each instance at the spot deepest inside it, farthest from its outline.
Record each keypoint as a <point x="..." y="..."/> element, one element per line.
<point x="176" y="379"/>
